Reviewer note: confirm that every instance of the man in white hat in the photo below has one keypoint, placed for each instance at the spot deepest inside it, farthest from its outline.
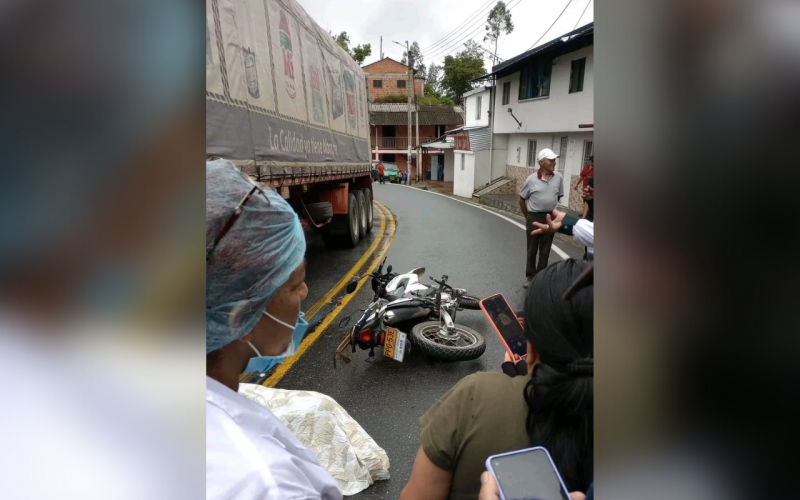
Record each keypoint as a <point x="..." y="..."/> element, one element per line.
<point x="538" y="198"/>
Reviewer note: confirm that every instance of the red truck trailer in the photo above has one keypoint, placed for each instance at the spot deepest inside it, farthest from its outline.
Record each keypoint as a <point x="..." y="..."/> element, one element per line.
<point x="288" y="106"/>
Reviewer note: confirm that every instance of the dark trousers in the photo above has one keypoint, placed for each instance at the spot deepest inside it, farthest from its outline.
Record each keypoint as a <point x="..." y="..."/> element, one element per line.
<point x="537" y="244"/>
<point x="380" y="179"/>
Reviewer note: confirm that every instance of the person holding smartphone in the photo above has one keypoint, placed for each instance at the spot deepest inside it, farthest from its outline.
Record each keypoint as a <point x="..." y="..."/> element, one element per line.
<point x="488" y="414"/>
<point x="490" y="490"/>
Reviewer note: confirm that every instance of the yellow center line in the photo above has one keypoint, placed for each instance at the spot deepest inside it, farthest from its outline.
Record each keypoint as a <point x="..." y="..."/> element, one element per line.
<point x="347" y="277"/>
<point x="284" y="367"/>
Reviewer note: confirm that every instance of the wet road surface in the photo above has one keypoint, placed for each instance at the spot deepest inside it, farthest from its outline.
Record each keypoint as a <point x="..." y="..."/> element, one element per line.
<point x="478" y="251"/>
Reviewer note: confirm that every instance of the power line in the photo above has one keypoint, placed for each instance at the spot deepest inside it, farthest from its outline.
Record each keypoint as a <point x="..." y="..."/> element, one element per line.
<point x="551" y="26"/>
<point x="470" y="18"/>
<point x="450" y="43"/>
<point x="582" y="13"/>
<point x="450" y="48"/>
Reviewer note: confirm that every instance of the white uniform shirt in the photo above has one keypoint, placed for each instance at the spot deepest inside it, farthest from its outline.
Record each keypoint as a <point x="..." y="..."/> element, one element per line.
<point x="583" y="234"/>
<point x="250" y="454"/>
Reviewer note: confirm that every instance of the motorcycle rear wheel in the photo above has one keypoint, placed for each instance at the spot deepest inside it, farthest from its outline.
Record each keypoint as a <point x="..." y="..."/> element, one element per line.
<point x="464" y="345"/>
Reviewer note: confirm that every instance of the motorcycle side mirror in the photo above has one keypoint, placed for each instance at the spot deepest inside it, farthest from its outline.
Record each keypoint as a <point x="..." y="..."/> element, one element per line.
<point x="418" y="271"/>
<point x="351" y="287"/>
<point x="389" y="269"/>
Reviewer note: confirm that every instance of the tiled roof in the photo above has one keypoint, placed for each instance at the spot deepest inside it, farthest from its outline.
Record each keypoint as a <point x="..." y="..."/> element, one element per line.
<point x="397" y="114"/>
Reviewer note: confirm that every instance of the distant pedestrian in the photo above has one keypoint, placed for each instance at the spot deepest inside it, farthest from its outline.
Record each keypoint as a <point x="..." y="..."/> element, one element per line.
<point x="586" y="174"/>
<point x="381" y="170"/>
<point x="539" y="197"/>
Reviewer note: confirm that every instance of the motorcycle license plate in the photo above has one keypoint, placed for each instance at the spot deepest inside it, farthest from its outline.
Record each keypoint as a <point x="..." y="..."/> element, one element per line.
<point x="395" y="345"/>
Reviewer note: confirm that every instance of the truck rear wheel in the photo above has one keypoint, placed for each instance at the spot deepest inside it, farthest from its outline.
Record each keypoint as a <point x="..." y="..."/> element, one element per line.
<point x="368" y="197"/>
<point x="353" y="220"/>
<point x="343" y="230"/>
<point x="362" y="213"/>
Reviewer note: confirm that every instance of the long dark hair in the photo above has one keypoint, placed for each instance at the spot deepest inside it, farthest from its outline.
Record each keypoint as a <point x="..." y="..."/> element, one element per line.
<point x="560" y="395"/>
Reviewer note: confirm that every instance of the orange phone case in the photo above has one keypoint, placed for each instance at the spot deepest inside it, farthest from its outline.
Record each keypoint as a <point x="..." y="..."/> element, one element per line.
<point x="503" y="340"/>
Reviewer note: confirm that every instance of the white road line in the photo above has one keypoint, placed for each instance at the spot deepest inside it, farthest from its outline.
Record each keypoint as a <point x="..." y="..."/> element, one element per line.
<point x="560" y="252"/>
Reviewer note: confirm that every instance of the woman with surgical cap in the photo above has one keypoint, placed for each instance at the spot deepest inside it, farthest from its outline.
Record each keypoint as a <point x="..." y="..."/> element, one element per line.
<point x="255" y="283"/>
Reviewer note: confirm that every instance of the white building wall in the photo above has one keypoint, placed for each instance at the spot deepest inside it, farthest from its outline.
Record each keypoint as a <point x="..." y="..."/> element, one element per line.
<point x="560" y="111"/>
<point x="483" y="171"/>
<point x="449" y="159"/>
<point x="499" y="155"/>
<point x="472" y="109"/>
<point x="464" y="174"/>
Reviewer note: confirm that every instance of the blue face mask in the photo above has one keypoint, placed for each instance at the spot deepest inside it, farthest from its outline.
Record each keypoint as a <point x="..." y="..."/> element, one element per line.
<point x="263" y="364"/>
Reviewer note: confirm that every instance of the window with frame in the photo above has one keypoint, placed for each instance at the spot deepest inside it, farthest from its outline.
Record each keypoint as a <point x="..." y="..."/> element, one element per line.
<point x="478" y="107"/>
<point x="377" y="84"/>
<point x="534" y="78"/>
<point x="463" y="158"/>
<point x="506" y="92"/>
<point x="531" y="152"/>
<point x="576" y="75"/>
<point x="438" y="130"/>
<point x="588" y="150"/>
<point x="401" y="84"/>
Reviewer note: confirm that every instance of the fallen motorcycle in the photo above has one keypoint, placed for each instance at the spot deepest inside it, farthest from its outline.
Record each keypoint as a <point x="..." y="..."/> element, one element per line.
<point x="401" y="304"/>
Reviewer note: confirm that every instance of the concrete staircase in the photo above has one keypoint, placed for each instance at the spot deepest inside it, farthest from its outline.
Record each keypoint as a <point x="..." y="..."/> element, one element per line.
<point x="505" y="202"/>
<point x="495" y="185"/>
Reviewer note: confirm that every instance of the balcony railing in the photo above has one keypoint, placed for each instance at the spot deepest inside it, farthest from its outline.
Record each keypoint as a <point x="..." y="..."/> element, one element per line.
<point x="398" y="143"/>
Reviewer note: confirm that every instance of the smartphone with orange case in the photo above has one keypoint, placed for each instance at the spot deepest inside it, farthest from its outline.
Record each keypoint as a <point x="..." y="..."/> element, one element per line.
<point x="505" y="324"/>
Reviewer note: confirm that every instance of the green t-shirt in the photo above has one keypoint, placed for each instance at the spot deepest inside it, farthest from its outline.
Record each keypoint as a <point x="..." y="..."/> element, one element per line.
<point x="483" y="415"/>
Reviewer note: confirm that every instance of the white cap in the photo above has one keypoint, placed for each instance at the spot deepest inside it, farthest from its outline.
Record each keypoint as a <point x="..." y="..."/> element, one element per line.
<point x="547" y="153"/>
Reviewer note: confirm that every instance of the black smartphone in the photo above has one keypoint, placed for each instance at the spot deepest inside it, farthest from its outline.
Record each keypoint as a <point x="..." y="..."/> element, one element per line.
<point x="527" y="473"/>
<point x="505" y="323"/>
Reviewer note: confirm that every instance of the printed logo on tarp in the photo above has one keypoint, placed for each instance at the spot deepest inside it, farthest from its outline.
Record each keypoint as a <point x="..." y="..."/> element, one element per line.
<point x="350" y="89"/>
<point x="318" y="102"/>
<point x="288" y="56"/>
<point x="336" y="91"/>
<point x="250" y="73"/>
<point x="291" y="142"/>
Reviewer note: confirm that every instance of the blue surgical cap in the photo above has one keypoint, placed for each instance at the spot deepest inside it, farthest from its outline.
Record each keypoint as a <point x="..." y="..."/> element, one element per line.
<point x="253" y="260"/>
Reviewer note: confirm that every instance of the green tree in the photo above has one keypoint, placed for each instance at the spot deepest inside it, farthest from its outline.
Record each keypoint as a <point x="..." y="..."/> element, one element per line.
<point x="416" y="58"/>
<point x="460" y="70"/>
<point x="433" y="80"/>
<point x="361" y="52"/>
<point x="498" y="22"/>
<point x="358" y="53"/>
<point x="342" y="39"/>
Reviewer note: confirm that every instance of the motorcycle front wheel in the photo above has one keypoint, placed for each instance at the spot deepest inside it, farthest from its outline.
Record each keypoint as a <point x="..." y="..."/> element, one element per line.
<point x="463" y="344"/>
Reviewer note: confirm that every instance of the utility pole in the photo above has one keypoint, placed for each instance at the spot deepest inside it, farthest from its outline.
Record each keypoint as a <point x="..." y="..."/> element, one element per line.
<point x="410" y="94"/>
<point x="381" y="51"/>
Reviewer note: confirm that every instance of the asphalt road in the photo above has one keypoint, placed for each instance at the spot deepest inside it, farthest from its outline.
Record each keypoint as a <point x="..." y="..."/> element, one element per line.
<point x="478" y="251"/>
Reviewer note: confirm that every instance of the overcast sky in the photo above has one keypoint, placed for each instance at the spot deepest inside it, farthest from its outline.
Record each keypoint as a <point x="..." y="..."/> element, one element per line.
<point x="427" y="22"/>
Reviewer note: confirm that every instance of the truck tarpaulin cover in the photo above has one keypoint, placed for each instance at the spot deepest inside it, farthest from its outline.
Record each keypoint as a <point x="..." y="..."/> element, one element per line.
<point x="309" y="110"/>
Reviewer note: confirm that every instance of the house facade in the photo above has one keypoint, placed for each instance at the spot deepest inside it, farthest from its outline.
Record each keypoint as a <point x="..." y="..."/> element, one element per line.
<point x="478" y="157"/>
<point x="388" y="77"/>
<point x="545" y="99"/>
<point x="389" y="135"/>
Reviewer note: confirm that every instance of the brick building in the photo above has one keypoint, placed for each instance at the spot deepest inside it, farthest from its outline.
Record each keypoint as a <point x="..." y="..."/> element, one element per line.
<point x="389" y="134"/>
<point x="388" y="77"/>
